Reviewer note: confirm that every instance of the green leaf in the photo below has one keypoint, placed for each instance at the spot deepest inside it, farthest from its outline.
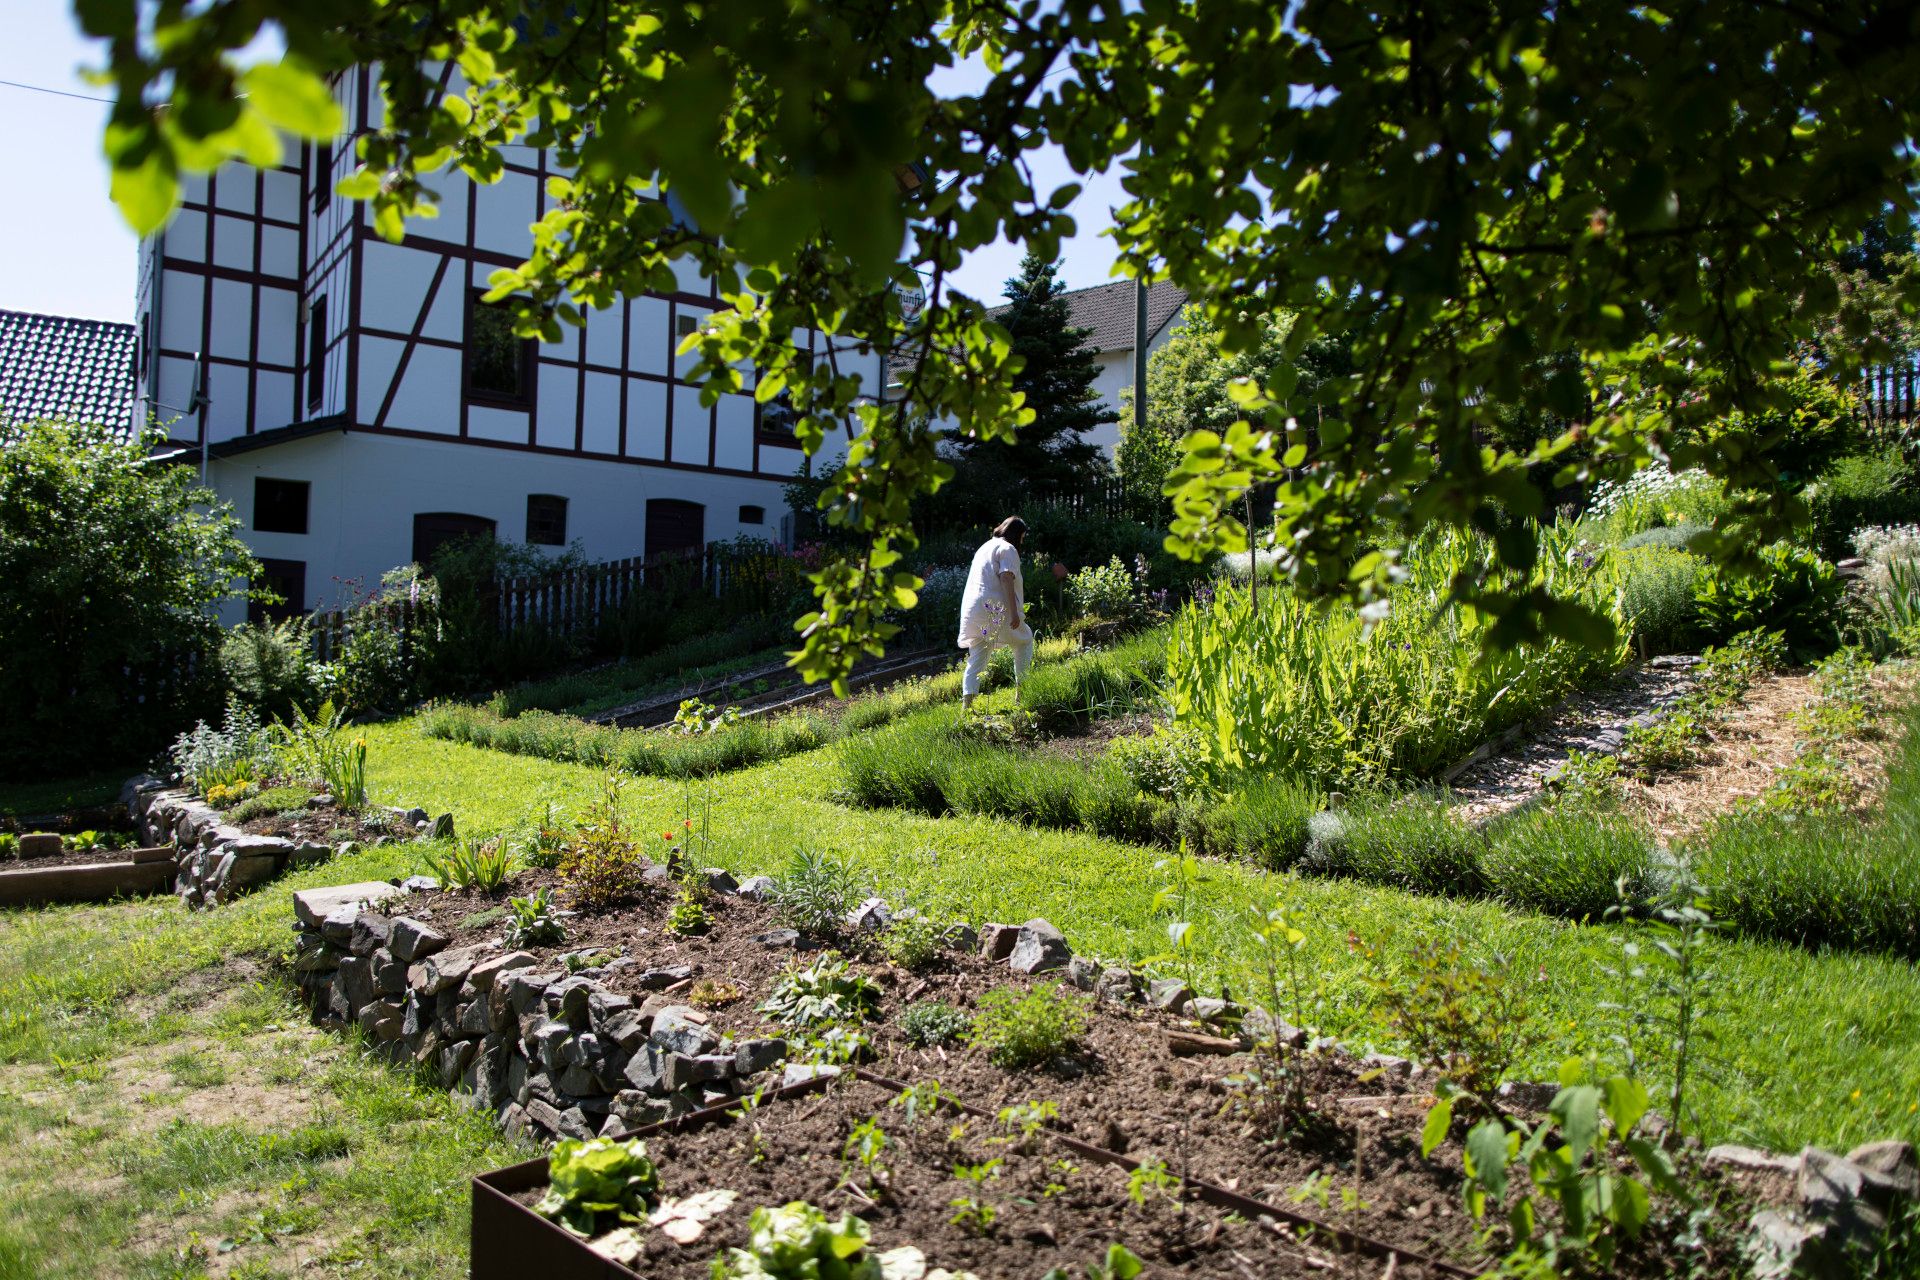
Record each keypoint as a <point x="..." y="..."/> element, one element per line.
<point x="293" y="97"/>
<point x="1439" y="1123"/>
<point x="1626" y="1102"/>
<point x="1487" y="1156"/>
<point x="146" y="192"/>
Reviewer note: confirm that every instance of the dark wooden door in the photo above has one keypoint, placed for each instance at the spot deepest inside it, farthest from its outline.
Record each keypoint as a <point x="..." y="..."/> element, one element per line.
<point x="675" y="525"/>
<point x="433" y="530"/>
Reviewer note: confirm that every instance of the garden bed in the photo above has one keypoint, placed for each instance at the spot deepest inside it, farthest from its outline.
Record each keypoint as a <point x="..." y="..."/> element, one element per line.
<point x="1049" y="1200"/>
<point x="92" y="876"/>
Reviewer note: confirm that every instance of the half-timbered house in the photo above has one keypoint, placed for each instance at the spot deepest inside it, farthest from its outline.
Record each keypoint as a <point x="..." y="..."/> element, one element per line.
<point x="358" y="403"/>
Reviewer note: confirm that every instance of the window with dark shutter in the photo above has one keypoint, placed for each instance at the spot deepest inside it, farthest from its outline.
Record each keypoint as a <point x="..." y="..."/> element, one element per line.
<point x="285" y="579"/>
<point x="316" y="354"/>
<point x="500" y="364"/>
<point x="546" y="520"/>
<point x="753" y="515"/>
<point x="279" y="506"/>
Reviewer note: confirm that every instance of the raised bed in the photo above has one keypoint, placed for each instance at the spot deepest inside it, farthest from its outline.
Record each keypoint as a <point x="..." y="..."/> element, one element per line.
<point x="125" y="873"/>
<point x="1055" y="1200"/>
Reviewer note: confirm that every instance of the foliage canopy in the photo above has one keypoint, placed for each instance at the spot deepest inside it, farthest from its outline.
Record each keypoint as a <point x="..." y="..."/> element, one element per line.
<point x="1654" y="190"/>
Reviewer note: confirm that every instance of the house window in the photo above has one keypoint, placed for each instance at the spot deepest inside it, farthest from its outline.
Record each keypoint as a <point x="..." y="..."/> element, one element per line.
<point x="316" y="354"/>
<point x="279" y="506"/>
<point x="499" y="363"/>
<point x="753" y="515"/>
<point x="287" y="581"/>
<point x="322" y="175"/>
<point x="684" y="325"/>
<point x="546" y="520"/>
<point x="775" y="420"/>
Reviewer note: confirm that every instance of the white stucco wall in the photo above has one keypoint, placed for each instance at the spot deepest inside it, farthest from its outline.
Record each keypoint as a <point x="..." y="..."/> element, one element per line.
<point x="366" y="489"/>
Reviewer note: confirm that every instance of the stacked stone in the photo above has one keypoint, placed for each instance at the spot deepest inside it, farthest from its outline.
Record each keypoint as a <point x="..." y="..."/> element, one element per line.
<point x="212" y="861"/>
<point x="548" y="1053"/>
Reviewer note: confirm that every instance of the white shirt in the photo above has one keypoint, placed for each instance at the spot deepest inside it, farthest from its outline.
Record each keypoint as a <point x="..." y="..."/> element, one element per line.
<point x="983" y="609"/>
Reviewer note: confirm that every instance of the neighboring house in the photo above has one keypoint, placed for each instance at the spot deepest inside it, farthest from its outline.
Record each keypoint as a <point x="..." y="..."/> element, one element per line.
<point x="358" y="404"/>
<point x="64" y="367"/>
<point x="1109" y="311"/>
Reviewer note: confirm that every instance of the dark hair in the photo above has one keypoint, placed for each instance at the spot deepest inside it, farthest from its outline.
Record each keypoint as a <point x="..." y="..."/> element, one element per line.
<point x="1013" y="529"/>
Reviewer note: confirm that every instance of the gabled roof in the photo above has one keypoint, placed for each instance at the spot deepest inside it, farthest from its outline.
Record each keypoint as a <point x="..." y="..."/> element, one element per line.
<point x="1107" y="309"/>
<point x="64" y="367"/>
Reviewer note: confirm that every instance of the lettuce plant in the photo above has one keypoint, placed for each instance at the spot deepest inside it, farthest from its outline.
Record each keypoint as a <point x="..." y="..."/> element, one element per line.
<point x="796" y="1240"/>
<point x="593" y="1185"/>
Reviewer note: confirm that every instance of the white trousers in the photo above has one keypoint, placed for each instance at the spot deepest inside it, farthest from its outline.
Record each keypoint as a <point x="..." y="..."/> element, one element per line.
<point x="979" y="653"/>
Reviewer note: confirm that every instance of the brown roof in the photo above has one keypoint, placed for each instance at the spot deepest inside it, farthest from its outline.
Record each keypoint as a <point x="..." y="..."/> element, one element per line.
<point x="64" y="367"/>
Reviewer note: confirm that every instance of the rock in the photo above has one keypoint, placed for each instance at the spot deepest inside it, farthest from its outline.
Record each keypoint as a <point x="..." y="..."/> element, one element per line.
<point x="756" y="888"/>
<point x="1734" y="1156"/>
<point x="368" y="933"/>
<point x="314" y="905"/>
<point x="801" y="1072"/>
<point x="442" y="828"/>
<point x="678" y="1029"/>
<point x="472" y="1019"/>
<point x="718" y="880"/>
<point x="751" y="1057"/>
<point x="485" y="973"/>
<point x="309" y="854"/>
<point x="1038" y="947"/>
<point x="319" y="801"/>
<point x="525" y="988"/>
<point x="996" y="941"/>
<point x="1119" y="985"/>
<point x="311" y="954"/>
<point x="1170" y="994"/>
<point x="442" y="970"/>
<point x="544" y="1115"/>
<point x="960" y="937"/>
<point x="382" y="1020"/>
<point x="646" y="1070"/>
<point x="1084" y="973"/>
<point x="1783" y="1245"/>
<point x="1214" y="1009"/>
<point x="1893" y="1160"/>
<point x="684" y="1071"/>
<point x="412" y="817"/>
<point x="347" y="848"/>
<point x="246" y="846"/>
<point x="778" y="938"/>
<point x="389" y="975"/>
<point x="576" y="1079"/>
<point x="454" y="1059"/>
<point x="40" y="844"/>
<point x="625" y="1028"/>
<point x="1387" y="1065"/>
<point x="665" y="976"/>
<point x="418" y="884"/>
<point x="657" y="873"/>
<point x="571" y="999"/>
<point x="355" y="980"/>
<point x="603" y="1004"/>
<point x="412" y="940"/>
<point x="1856" y="1199"/>
<point x="870" y="916"/>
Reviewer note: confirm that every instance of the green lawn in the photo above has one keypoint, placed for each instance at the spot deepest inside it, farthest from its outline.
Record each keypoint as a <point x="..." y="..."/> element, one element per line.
<point x="175" y="1097"/>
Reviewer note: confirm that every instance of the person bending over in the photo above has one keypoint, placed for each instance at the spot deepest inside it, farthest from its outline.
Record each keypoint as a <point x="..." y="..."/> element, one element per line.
<point x="993" y="610"/>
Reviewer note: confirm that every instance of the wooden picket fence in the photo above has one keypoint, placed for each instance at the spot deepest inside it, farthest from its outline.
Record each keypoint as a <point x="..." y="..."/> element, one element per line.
<point x="574" y="600"/>
<point x="1889" y="398"/>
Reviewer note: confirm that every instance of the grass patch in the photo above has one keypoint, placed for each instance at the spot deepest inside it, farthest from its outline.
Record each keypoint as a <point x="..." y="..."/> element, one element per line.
<point x="1797" y="1032"/>
<point x="693" y="661"/>
<point x="63" y="795"/>
<point x="269" y="802"/>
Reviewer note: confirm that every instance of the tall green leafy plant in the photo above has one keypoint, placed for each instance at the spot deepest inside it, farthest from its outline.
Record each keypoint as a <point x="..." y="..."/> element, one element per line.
<point x="1282" y="686"/>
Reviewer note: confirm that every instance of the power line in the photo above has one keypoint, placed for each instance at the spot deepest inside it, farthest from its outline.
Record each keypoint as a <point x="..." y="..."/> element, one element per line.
<point x="58" y="93"/>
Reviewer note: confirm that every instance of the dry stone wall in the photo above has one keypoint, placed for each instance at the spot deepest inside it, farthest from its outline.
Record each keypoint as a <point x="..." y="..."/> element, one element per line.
<point x="212" y="861"/>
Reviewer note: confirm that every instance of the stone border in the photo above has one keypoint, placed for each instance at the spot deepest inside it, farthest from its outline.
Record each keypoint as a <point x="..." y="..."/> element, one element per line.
<point x="212" y="861"/>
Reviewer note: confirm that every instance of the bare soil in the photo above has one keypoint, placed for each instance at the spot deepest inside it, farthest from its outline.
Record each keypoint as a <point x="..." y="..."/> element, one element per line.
<point x="1350" y="1158"/>
<point x="67" y="858"/>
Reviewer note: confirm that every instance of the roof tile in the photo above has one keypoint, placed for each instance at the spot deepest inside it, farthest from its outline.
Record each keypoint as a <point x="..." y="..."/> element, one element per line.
<point x="65" y="367"/>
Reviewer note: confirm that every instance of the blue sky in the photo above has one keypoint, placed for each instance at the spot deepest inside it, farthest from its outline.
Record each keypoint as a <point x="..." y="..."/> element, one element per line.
<point x="65" y="251"/>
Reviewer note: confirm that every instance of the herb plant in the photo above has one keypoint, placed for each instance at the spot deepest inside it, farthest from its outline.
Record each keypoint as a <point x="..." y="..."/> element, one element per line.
<point x="1027" y="1030"/>
<point x="970" y="1211"/>
<point x="535" y="921"/>
<point x="593" y="1184"/>
<point x="825" y="992"/>
<point x="1118" y="1263"/>
<point x="813" y="892"/>
<point x="471" y="864"/>
<point x="931" y="1022"/>
<point x="912" y="942"/>
<point x="1469" y="1018"/>
<point x="798" y="1242"/>
<point x="688" y="916"/>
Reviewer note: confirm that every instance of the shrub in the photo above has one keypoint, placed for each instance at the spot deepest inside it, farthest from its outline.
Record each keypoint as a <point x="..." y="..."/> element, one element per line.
<point x="1467" y="1016"/>
<point x="1652" y="498"/>
<point x="1792" y="591"/>
<point x="931" y="1023"/>
<point x="814" y="892"/>
<point x="1103" y="591"/>
<point x="689" y="917"/>
<point x="112" y="568"/>
<point x="1657" y="588"/>
<point x="601" y="872"/>
<point x="267" y="803"/>
<point x="268" y="666"/>
<point x="1571" y="860"/>
<point x="825" y="992"/>
<point x="1860" y="490"/>
<point x="912" y="942"/>
<point x="1028" y="1029"/>
<point x="1170" y="762"/>
<point x="1263" y="821"/>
